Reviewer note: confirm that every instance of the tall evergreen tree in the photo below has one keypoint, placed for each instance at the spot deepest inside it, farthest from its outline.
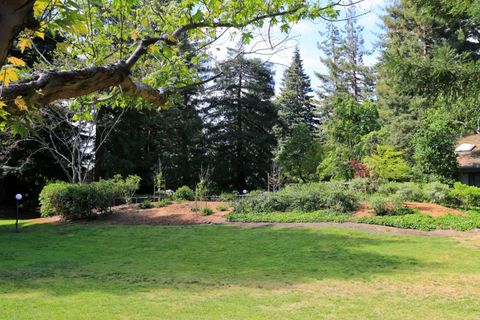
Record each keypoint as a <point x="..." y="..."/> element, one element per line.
<point x="295" y="100"/>
<point x="239" y="117"/>
<point x="343" y="56"/>
<point x="429" y="61"/>
<point x="144" y="138"/>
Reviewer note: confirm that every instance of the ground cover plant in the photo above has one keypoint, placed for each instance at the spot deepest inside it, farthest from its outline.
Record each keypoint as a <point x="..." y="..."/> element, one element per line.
<point x="146" y="204"/>
<point x="79" y="271"/>
<point x="292" y="216"/>
<point x="312" y="203"/>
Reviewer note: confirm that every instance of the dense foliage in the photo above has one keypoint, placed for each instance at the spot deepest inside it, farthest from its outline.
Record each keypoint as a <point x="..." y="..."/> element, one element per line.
<point x="78" y="201"/>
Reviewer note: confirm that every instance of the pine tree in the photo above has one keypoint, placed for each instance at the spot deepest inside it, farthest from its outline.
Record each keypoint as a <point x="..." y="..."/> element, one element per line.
<point x="239" y="117"/>
<point x="295" y="100"/>
<point x="343" y="54"/>
<point x="429" y="61"/>
<point x="144" y="138"/>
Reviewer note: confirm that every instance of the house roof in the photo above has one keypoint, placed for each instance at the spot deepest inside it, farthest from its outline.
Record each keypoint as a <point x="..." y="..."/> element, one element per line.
<point x="468" y="152"/>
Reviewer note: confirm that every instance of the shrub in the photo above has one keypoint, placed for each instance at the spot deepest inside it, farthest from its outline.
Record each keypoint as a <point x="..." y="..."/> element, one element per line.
<point x="146" y="204"/>
<point x="436" y="192"/>
<point x="388" y="188"/>
<point x="201" y="190"/>
<point x="127" y="187"/>
<point x="206" y="211"/>
<point x="468" y="196"/>
<point x="227" y="196"/>
<point x="410" y="191"/>
<point x="222" y="207"/>
<point x="385" y="205"/>
<point x="184" y="193"/>
<point x="163" y="203"/>
<point x="303" y="197"/>
<point x="76" y="201"/>
<point x="342" y="200"/>
<point x="363" y="185"/>
<point x="195" y="208"/>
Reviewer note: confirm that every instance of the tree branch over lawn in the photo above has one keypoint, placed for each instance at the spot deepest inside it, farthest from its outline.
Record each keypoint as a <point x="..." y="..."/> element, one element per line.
<point x="47" y="86"/>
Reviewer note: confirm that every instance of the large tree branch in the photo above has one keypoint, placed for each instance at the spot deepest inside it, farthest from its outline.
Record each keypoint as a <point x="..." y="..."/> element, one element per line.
<point x="49" y="86"/>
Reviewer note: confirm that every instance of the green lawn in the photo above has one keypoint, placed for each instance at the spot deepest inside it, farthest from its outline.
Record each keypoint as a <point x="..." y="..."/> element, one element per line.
<point x="226" y="272"/>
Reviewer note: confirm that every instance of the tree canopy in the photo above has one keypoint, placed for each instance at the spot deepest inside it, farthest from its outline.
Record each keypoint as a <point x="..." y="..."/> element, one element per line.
<point x="105" y="40"/>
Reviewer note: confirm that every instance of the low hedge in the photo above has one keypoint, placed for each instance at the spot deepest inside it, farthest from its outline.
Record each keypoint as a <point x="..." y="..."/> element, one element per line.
<point x="467" y="196"/>
<point x="303" y="198"/>
<point x="78" y="201"/>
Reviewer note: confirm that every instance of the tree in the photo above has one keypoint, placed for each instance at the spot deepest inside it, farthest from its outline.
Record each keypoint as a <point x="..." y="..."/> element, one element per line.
<point x="68" y="134"/>
<point x="239" y="116"/>
<point x="343" y="54"/>
<point x="429" y="61"/>
<point x="119" y="34"/>
<point x="351" y="121"/>
<point x="300" y="155"/>
<point x="434" y="145"/>
<point x="143" y="138"/>
<point x="295" y="100"/>
<point x="387" y="163"/>
<point x="351" y="125"/>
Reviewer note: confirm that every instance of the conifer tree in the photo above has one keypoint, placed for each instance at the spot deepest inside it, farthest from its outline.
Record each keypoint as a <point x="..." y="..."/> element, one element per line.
<point x="343" y="56"/>
<point x="239" y="116"/>
<point x="295" y="101"/>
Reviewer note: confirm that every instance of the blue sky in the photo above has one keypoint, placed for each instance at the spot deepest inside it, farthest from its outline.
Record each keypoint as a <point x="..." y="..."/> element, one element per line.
<point x="306" y="35"/>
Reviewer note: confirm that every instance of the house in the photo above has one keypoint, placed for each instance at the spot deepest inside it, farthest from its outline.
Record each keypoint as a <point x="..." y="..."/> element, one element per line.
<point x="468" y="159"/>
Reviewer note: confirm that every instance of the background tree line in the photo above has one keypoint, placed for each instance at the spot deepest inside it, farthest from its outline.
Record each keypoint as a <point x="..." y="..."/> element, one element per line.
<point x="397" y="120"/>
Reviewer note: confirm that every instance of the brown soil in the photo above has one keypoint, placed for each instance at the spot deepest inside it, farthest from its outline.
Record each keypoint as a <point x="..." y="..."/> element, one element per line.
<point x="434" y="210"/>
<point x="431" y="209"/>
<point x="178" y="213"/>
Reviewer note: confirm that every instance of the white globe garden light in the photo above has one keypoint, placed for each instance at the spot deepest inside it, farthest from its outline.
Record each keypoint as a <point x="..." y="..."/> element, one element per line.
<point x="245" y="191"/>
<point x="19" y="197"/>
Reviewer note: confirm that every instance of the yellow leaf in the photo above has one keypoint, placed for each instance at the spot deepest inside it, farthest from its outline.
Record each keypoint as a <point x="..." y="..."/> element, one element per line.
<point x="39" y="6"/>
<point x="80" y="26"/>
<point x="21" y="103"/>
<point x="2" y="104"/>
<point x="145" y="22"/>
<point x="39" y="34"/>
<point x="16" y="61"/>
<point x="24" y="43"/>
<point x="134" y="35"/>
<point x="8" y="75"/>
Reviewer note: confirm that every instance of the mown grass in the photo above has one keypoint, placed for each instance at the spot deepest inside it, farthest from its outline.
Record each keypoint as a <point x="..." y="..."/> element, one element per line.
<point x="223" y="272"/>
<point x="416" y="220"/>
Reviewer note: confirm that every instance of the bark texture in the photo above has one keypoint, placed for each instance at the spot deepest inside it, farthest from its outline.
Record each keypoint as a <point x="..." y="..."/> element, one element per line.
<point x="15" y="15"/>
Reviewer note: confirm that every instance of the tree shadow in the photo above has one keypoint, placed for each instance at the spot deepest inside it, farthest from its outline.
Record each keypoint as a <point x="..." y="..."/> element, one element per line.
<point x="65" y="259"/>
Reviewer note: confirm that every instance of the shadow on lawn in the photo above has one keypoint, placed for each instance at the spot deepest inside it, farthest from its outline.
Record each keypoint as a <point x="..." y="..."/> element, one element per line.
<point x="72" y="258"/>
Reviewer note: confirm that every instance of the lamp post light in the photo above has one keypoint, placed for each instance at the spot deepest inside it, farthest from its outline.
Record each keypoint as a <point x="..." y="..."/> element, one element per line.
<point x="18" y="197"/>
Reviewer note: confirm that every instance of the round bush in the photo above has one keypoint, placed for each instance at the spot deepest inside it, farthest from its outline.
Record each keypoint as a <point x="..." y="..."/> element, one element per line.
<point x="410" y="191"/>
<point x="436" y="192"/>
<point x="184" y="193"/>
